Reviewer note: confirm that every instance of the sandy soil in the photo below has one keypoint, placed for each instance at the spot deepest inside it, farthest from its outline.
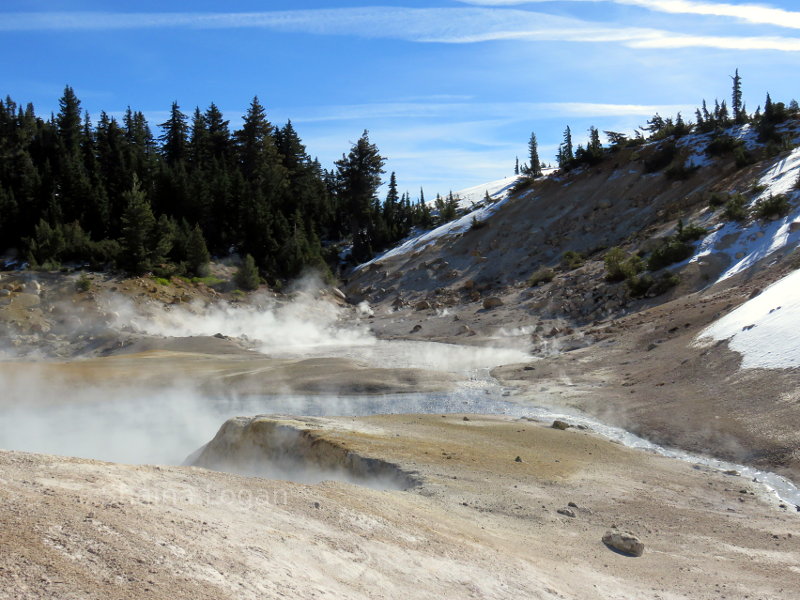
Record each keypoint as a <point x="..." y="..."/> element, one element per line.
<point x="480" y="524"/>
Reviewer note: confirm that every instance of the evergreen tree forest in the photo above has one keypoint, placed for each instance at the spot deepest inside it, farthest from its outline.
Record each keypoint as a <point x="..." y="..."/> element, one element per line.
<point x="117" y="195"/>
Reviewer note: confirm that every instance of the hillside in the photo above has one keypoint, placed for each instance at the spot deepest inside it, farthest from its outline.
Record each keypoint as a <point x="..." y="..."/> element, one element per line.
<point x="663" y="360"/>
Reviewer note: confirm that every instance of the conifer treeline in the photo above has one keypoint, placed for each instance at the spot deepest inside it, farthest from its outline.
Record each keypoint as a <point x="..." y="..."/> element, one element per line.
<point x="112" y="193"/>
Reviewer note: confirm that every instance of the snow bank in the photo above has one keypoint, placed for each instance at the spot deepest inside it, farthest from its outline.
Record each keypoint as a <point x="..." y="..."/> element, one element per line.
<point x="766" y="329"/>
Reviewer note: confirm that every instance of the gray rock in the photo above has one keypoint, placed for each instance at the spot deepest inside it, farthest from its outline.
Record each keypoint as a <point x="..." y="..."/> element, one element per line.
<point x="562" y="425"/>
<point x="566" y="512"/>
<point x="627" y="543"/>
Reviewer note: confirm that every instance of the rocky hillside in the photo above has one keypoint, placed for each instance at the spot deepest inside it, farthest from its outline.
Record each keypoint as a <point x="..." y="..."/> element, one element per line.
<point x="623" y="281"/>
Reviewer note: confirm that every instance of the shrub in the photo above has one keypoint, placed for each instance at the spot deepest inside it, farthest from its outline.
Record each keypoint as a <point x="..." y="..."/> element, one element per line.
<point x="743" y="157"/>
<point x="690" y="233"/>
<point x="773" y="206"/>
<point x="670" y="251"/>
<point x="541" y="275"/>
<point x="572" y="260"/>
<point x="758" y="188"/>
<point x="735" y="209"/>
<point x="84" y="283"/>
<point x="639" y="284"/>
<point x="475" y="224"/>
<point x="161" y="280"/>
<point x="662" y="157"/>
<point x="717" y="199"/>
<point x="620" y="265"/>
<point x="723" y="144"/>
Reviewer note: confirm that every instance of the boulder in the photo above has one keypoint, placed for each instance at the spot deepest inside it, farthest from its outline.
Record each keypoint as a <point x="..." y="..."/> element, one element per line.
<point x="422" y="305"/>
<point x="492" y="302"/>
<point x="562" y="425"/>
<point x="627" y="543"/>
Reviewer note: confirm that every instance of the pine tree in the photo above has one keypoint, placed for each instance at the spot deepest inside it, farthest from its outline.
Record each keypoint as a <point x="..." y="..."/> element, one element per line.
<point x="175" y="145"/>
<point x="197" y="255"/>
<point x="142" y="242"/>
<point x="565" y="151"/>
<point x="739" y="114"/>
<point x="516" y="166"/>
<point x="246" y="276"/>
<point x="534" y="166"/>
<point x="359" y="175"/>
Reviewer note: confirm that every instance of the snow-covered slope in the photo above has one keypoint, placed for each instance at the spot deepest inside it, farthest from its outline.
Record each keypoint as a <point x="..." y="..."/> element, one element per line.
<point x="746" y="244"/>
<point x="471" y="199"/>
<point x="766" y="329"/>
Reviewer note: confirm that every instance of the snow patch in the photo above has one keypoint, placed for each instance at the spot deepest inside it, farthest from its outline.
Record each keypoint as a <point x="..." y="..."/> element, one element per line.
<point x="766" y="329"/>
<point x="748" y="244"/>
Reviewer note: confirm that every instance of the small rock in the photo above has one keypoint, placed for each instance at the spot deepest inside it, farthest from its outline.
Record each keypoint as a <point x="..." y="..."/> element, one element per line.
<point x="518" y="459"/>
<point x="562" y="425"/>
<point x="572" y="505"/>
<point x="221" y="336"/>
<point x="337" y="292"/>
<point x="416" y="328"/>
<point x="317" y="505"/>
<point x="422" y="305"/>
<point x="529" y="368"/>
<point x="732" y="473"/>
<point x="566" y="512"/>
<point x="627" y="543"/>
<point x="466" y="419"/>
<point x="492" y="302"/>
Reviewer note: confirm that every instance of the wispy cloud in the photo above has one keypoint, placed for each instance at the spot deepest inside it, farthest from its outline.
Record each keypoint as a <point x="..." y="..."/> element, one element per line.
<point x="504" y="111"/>
<point x="756" y="14"/>
<point x="432" y="25"/>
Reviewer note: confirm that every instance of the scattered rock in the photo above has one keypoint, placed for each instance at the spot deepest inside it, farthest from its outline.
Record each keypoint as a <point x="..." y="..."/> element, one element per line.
<point x="566" y="512"/>
<point x="562" y="425"/>
<point x="492" y="302"/>
<point x="626" y="543"/>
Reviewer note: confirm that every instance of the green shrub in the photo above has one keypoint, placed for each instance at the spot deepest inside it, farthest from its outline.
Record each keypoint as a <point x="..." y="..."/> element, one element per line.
<point x="717" y="199"/>
<point x="541" y="275"/>
<point x="743" y="157"/>
<point x="773" y="206"/>
<point x="662" y="157"/>
<point x="670" y="251"/>
<point x="620" y="265"/>
<point x="690" y="233"/>
<point x="161" y="280"/>
<point x="572" y="260"/>
<point x="758" y="188"/>
<point x="639" y="284"/>
<point x="475" y="224"/>
<point x="647" y="285"/>
<point x="723" y="144"/>
<point x="735" y="209"/>
<point x="84" y="283"/>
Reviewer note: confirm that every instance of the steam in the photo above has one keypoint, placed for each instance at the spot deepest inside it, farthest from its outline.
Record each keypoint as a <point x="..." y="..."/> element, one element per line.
<point x="271" y="325"/>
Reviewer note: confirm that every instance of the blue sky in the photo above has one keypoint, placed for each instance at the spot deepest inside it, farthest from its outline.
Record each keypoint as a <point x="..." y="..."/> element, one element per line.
<point x="449" y="89"/>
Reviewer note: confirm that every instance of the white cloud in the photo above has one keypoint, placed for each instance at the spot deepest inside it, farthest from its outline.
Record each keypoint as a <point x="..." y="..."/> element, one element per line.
<point x="756" y="14"/>
<point x="432" y="25"/>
